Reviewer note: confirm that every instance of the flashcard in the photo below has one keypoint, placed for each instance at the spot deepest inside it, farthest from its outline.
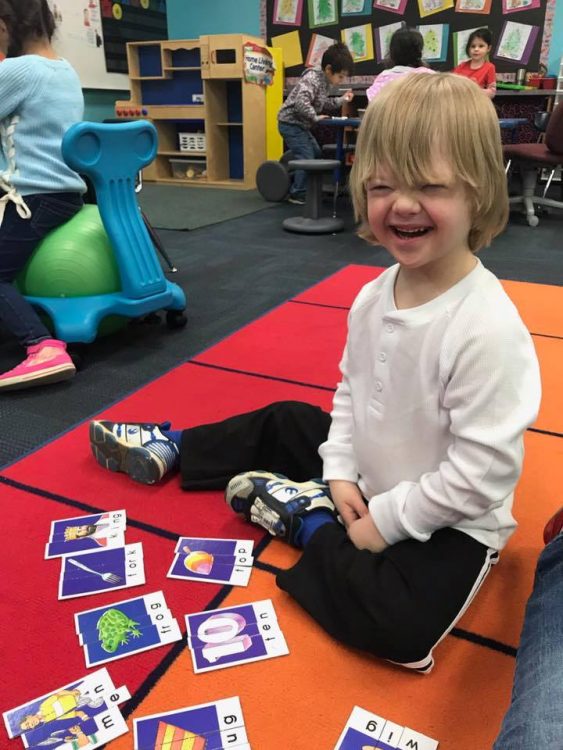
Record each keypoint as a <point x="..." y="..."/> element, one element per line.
<point x="58" y="702"/>
<point x="143" y="622"/>
<point x="72" y="546"/>
<point x="94" y="572"/>
<point x="368" y="731"/>
<point x="202" y="562"/>
<point x="215" y="572"/>
<point x="94" y="732"/>
<point x="212" y="726"/>
<point x="99" y="525"/>
<point x="214" y="546"/>
<point x="220" y="638"/>
<point x="104" y="722"/>
<point x="117" y="638"/>
<point x="140" y="606"/>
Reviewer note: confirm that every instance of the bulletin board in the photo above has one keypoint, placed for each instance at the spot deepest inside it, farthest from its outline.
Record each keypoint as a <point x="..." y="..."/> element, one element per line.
<point x="92" y="36"/>
<point x="304" y="28"/>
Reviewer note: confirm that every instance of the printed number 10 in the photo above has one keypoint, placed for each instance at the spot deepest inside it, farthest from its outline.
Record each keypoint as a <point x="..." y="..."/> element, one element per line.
<point x="221" y="636"/>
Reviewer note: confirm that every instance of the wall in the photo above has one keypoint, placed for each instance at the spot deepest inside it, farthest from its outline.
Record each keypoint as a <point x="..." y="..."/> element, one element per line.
<point x="187" y="19"/>
<point x="556" y="50"/>
<point x="99" y="103"/>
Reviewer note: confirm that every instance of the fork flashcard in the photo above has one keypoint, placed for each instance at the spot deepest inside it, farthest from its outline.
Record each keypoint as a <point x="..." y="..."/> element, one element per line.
<point x="212" y="726"/>
<point x="61" y="701"/>
<point x="152" y="605"/>
<point x="211" y="571"/>
<point x="70" y="545"/>
<point x="94" y="572"/>
<point x="220" y="638"/>
<point x="81" y="527"/>
<point x="104" y="722"/>
<point x="117" y="639"/>
<point x="236" y="547"/>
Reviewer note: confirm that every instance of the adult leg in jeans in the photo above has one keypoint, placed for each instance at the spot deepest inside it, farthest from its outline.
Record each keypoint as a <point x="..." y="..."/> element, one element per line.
<point x="534" y="719"/>
<point x="304" y="146"/>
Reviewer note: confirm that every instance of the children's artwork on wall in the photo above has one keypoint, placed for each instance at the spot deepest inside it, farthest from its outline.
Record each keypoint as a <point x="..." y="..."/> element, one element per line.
<point x="516" y="42"/>
<point x="512" y="6"/>
<point x="460" y="39"/>
<point x="290" y="45"/>
<point x="383" y="37"/>
<point x="359" y="41"/>
<point x="355" y="8"/>
<point x="318" y="46"/>
<point x="474" y="6"/>
<point x="435" y="37"/>
<point x="322" y="13"/>
<point x="429" y="7"/>
<point x="288" y="12"/>
<point x="393" y="6"/>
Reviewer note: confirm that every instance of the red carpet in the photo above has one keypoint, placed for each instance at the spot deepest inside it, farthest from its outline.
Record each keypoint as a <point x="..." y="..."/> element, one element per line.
<point x="302" y="700"/>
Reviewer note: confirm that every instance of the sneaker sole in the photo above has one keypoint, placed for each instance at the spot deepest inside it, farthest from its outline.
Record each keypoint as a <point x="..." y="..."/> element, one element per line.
<point x="137" y="463"/>
<point x="54" y="375"/>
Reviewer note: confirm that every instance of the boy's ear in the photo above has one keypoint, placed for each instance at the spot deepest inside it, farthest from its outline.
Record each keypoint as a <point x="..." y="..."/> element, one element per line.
<point x="328" y="69"/>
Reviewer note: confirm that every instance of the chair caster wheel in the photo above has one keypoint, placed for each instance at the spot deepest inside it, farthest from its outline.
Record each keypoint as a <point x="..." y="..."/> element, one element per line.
<point x="152" y="319"/>
<point x="176" y="319"/>
<point x="533" y="221"/>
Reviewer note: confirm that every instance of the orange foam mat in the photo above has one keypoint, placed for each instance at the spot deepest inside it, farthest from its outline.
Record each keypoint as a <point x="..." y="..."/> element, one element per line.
<point x="540" y="305"/>
<point x="550" y="355"/>
<point x="302" y="701"/>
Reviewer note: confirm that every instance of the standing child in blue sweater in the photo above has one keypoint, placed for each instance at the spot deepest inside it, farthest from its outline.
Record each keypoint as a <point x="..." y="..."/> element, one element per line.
<point x="40" y="98"/>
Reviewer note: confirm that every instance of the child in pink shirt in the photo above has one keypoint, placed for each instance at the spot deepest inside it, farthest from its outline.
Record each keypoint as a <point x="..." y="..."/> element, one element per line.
<point x="405" y="52"/>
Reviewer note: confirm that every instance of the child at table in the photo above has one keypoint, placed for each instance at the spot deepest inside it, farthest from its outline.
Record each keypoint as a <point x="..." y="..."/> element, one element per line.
<point x="405" y="54"/>
<point x="478" y="68"/>
<point x="440" y="380"/>
<point x="309" y="102"/>
<point x="40" y="98"/>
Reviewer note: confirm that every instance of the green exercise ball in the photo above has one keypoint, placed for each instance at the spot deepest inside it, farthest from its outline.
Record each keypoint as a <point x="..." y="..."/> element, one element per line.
<point x="75" y="260"/>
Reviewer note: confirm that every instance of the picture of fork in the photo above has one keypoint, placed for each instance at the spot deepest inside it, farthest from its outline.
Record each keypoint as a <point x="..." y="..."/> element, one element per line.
<point x="108" y="577"/>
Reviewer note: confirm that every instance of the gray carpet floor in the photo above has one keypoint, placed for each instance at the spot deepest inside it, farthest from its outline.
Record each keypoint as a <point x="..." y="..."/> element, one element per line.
<point x="232" y="273"/>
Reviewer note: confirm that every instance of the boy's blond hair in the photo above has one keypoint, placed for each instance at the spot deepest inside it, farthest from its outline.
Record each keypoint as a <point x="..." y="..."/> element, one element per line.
<point x="415" y="118"/>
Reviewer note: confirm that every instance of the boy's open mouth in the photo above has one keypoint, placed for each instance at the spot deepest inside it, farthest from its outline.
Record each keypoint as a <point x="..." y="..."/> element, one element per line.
<point x="411" y="232"/>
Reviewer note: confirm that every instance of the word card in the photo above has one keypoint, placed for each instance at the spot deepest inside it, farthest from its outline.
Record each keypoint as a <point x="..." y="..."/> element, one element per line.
<point x="104" y="570"/>
<point x="227" y="561"/>
<point x="367" y="731"/>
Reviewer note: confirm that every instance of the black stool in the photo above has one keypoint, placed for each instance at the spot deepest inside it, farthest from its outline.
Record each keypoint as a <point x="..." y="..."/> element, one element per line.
<point x="311" y="222"/>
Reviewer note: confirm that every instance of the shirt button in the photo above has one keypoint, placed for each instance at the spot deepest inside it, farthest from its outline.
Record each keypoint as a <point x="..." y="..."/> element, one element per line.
<point x="378" y="386"/>
<point x="381" y="357"/>
<point x="389" y="328"/>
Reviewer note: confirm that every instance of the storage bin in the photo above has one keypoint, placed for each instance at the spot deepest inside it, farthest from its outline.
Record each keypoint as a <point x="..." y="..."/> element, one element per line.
<point x="192" y="141"/>
<point x="188" y="169"/>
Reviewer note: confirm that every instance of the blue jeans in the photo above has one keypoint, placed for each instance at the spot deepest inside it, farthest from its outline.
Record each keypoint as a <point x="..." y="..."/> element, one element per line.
<point x="18" y="239"/>
<point x="535" y="716"/>
<point x="304" y="146"/>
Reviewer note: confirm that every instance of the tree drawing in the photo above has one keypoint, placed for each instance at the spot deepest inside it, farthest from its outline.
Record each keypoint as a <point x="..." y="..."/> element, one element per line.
<point x="512" y="45"/>
<point x="357" y="45"/>
<point x="431" y="43"/>
<point x="286" y="10"/>
<point x="325" y="10"/>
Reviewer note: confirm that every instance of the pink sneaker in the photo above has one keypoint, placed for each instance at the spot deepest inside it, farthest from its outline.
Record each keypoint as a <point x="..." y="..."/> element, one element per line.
<point x="46" y="362"/>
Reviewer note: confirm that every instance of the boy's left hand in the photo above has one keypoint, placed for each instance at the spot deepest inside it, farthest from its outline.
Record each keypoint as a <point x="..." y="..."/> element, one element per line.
<point x="348" y="95"/>
<point x="364" y="534"/>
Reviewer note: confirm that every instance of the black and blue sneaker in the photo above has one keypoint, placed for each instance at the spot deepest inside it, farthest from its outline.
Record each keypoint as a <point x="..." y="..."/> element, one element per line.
<point x="276" y="503"/>
<point x="139" y="450"/>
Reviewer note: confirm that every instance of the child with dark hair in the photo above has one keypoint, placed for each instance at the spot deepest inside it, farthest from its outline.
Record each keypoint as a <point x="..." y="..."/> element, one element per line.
<point x="308" y="103"/>
<point x="405" y="53"/>
<point x="40" y="98"/>
<point x="478" y="68"/>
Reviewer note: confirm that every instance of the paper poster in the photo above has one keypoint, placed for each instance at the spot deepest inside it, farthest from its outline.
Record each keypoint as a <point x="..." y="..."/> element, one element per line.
<point x="258" y="65"/>
<point x="512" y="6"/>
<point x="317" y="47"/>
<point x="474" y="6"/>
<point x="290" y="45"/>
<point x="435" y="36"/>
<point x="288" y="12"/>
<point x="428" y="7"/>
<point x="383" y="38"/>
<point x="322" y="12"/>
<point x="359" y="41"/>
<point x="460" y="39"/>
<point x="516" y="42"/>
<point x="393" y="6"/>
<point x="356" y="7"/>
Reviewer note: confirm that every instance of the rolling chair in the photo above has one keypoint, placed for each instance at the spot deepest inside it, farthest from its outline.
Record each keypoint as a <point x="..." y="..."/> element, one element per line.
<point x="531" y="157"/>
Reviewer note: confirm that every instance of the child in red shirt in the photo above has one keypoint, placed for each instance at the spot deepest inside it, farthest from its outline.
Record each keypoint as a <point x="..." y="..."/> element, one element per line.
<point x="478" y="68"/>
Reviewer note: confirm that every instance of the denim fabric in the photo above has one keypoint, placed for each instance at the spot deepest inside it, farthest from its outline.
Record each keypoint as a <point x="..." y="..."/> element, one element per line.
<point x="535" y="716"/>
<point x="18" y="239"/>
<point x="303" y="146"/>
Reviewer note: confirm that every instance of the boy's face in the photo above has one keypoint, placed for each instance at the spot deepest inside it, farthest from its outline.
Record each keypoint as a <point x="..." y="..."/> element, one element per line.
<point x="424" y="227"/>
<point x="335" y="79"/>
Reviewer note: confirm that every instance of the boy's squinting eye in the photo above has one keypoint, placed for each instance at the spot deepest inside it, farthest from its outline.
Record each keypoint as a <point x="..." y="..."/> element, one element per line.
<point x="377" y="188"/>
<point x="429" y="187"/>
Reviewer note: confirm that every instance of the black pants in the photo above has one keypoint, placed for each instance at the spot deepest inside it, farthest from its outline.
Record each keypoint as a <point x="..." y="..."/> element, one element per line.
<point x="397" y="604"/>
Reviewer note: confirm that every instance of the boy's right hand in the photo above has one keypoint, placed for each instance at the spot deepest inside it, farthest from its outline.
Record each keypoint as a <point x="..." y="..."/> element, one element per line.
<point x="348" y="500"/>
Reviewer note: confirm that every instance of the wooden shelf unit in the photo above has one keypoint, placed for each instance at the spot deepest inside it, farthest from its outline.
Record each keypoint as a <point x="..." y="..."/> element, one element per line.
<point x="169" y="80"/>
